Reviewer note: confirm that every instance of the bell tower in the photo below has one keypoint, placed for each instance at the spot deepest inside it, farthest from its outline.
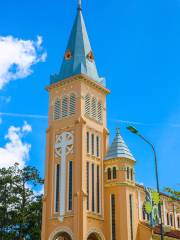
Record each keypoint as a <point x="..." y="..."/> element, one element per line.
<point x="73" y="204"/>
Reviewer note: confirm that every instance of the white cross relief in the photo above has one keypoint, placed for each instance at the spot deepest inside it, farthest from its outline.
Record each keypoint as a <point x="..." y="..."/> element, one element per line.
<point x="63" y="146"/>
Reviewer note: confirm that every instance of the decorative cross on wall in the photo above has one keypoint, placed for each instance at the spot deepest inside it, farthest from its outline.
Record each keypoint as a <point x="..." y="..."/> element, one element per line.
<point x="63" y="146"/>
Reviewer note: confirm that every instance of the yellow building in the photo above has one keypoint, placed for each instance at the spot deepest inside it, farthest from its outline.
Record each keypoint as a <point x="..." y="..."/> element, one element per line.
<point x="90" y="188"/>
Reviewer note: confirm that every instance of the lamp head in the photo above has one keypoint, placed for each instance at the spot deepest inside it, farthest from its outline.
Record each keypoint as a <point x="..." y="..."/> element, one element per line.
<point x="132" y="129"/>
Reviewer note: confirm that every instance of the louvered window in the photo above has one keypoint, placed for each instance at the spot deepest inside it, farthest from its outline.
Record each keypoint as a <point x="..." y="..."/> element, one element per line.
<point x="64" y="107"/>
<point x="72" y="104"/>
<point x="93" y="108"/>
<point x="99" y="112"/>
<point x="57" y="188"/>
<point x="57" y="109"/>
<point x="87" y="105"/>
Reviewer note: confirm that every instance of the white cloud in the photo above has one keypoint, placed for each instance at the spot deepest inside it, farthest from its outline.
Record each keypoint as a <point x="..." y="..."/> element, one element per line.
<point x="17" y="57"/>
<point x="15" y="150"/>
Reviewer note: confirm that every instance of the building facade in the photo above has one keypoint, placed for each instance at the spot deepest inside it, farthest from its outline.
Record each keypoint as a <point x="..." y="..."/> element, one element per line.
<point x="90" y="189"/>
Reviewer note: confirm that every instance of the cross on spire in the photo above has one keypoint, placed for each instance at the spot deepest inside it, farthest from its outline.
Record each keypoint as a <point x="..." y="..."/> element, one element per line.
<point x="79" y="5"/>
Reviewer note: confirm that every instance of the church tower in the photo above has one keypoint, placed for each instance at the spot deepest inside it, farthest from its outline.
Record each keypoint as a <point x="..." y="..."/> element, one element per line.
<point x="73" y="204"/>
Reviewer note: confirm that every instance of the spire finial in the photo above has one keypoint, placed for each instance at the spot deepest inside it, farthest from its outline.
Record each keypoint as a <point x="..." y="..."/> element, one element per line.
<point x="118" y="130"/>
<point x="79" y="5"/>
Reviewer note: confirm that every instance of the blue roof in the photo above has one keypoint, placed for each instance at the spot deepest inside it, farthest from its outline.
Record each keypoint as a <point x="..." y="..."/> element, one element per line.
<point x="79" y="49"/>
<point x="119" y="149"/>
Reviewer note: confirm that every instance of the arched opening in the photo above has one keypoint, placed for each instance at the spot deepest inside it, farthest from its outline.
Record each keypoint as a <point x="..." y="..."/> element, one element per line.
<point x="94" y="236"/>
<point x="62" y="236"/>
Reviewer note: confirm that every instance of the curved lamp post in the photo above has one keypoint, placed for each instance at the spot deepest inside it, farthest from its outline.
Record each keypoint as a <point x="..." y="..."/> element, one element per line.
<point x="135" y="131"/>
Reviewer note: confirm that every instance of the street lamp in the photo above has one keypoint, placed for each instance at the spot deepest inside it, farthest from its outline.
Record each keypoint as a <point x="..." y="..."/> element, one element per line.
<point x="136" y="132"/>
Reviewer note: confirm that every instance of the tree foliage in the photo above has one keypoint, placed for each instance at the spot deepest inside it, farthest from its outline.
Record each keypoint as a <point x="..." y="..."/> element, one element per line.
<point x="173" y="193"/>
<point x="20" y="206"/>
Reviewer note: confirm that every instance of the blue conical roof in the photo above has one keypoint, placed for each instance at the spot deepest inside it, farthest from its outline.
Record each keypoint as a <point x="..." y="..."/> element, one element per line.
<point x="119" y="149"/>
<point x="80" y="59"/>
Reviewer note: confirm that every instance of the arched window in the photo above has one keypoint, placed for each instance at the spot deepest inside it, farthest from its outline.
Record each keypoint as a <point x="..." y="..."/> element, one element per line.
<point x="171" y="220"/>
<point x="57" y="109"/>
<point x="87" y="105"/>
<point x="93" y="108"/>
<point x="99" y="112"/>
<point x="132" y="178"/>
<point x="114" y="173"/>
<point x="178" y="221"/>
<point x="72" y="104"/>
<point x="127" y="172"/>
<point x="109" y="173"/>
<point x="167" y="216"/>
<point x="65" y="106"/>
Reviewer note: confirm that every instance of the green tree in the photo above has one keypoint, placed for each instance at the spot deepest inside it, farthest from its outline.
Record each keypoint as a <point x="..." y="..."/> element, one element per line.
<point x="173" y="193"/>
<point x="20" y="206"/>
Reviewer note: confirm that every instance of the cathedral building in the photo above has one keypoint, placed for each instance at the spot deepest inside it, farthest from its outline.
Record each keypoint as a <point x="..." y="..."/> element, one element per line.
<point x="90" y="187"/>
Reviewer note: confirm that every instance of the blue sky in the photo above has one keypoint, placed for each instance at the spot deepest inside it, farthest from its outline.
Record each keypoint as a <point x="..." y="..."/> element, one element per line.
<point x="137" y="50"/>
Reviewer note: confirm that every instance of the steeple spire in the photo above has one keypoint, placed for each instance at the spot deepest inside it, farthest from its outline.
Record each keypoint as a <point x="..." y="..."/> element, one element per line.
<point x="78" y="57"/>
<point x="79" y="5"/>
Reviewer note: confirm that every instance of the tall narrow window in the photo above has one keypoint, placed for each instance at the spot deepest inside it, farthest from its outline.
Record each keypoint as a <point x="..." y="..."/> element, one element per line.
<point x="57" y="109"/>
<point x="171" y="220"/>
<point x="97" y="146"/>
<point x="100" y="112"/>
<point x="98" y="190"/>
<point x="57" y="187"/>
<point x="87" y="141"/>
<point x="87" y="182"/>
<point x="113" y="217"/>
<point x="114" y="173"/>
<point x="127" y="172"/>
<point x="92" y="144"/>
<point x="93" y="205"/>
<point x="144" y="214"/>
<point x="87" y="105"/>
<point x="178" y="222"/>
<point x="109" y="173"/>
<point x="131" y="215"/>
<point x="93" y="108"/>
<point x="132" y="178"/>
<point x="70" y="185"/>
<point x="64" y="107"/>
<point x="72" y="104"/>
<point x="167" y="216"/>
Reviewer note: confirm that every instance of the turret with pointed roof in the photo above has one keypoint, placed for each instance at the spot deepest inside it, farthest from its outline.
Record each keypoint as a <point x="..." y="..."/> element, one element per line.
<point x="119" y="149"/>
<point x="78" y="58"/>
